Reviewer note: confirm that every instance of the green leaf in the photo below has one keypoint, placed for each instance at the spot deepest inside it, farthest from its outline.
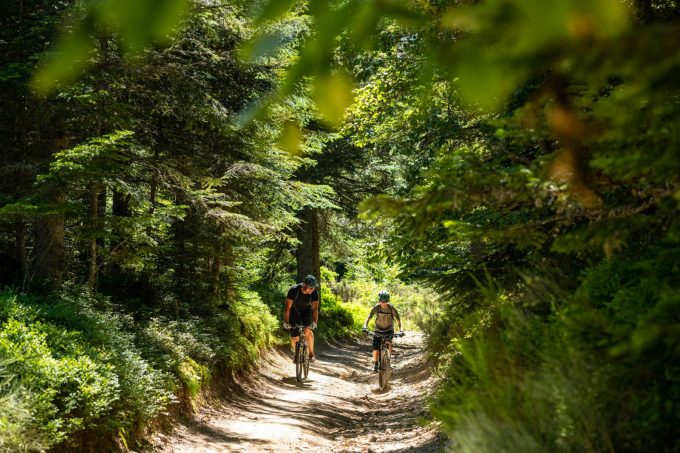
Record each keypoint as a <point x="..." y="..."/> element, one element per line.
<point x="263" y="46"/>
<point x="290" y="139"/>
<point x="136" y="23"/>
<point x="486" y="84"/>
<point x="65" y="64"/>
<point x="333" y="95"/>
<point x="273" y="10"/>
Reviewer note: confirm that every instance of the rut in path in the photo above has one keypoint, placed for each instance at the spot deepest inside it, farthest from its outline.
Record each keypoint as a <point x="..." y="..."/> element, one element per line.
<point x="338" y="409"/>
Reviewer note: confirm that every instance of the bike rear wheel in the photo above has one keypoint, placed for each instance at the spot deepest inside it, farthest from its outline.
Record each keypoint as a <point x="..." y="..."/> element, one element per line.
<point x="385" y="369"/>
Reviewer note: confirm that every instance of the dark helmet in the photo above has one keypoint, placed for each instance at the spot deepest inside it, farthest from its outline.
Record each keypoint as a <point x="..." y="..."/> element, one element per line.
<point x="383" y="296"/>
<point x="310" y="280"/>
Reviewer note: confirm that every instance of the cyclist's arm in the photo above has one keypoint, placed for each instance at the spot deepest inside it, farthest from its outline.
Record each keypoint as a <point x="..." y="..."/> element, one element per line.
<point x="370" y="315"/>
<point x="396" y="316"/>
<point x="286" y="313"/>
<point x="315" y="312"/>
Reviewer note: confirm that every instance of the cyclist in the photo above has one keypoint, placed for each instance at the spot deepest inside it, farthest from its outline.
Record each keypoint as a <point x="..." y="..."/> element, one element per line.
<point x="385" y="314"/>
<point x="302" y="308"/>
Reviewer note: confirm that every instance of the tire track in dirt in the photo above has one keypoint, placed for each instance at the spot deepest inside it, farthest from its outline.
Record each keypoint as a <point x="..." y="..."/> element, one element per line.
<point x="337" y="409"/>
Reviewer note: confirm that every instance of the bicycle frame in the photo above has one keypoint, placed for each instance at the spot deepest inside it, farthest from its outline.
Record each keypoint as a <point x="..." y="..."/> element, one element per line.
<point x="384" y="360"/>
<point x="301" y="355"/>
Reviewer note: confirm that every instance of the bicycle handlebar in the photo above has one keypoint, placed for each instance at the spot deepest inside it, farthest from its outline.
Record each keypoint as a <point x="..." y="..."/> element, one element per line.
<point x="385" y="335"/>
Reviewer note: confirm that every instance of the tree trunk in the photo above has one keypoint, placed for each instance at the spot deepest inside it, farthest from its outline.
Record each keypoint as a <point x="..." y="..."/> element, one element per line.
<point x="120" y="208"/>
<point x="93" y="222"/>
<point x="229" y="265"/>
<point x="101" y="215"/>
<point x="121" y="204"/>
<point x="50" y="251"/>
<point x="307" y="253"/>
<point x="216" y="269"/>
<point x="179" y="230"/>
<point x="154" y="183"/>
<point x="21" y="254"/>
<point x="181" y="258"/>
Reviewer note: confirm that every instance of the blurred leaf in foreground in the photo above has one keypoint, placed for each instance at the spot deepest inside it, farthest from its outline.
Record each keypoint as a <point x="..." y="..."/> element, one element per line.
<point x="333" y="95"/>
<point x="290" y="139"/>
<point x="136" y="23"/>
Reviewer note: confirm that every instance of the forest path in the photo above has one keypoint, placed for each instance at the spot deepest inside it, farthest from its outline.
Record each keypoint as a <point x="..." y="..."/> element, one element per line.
<point x="338" y="409"/>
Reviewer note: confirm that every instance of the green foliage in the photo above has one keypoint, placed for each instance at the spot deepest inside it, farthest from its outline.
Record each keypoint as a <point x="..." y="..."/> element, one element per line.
<point x="247" y="330"/>
<point x="525" y="158"/>
<point x="337" y="317"/>
<point x="91" y="369"/>
<point x="546" y="227"/>
<point x="417" y="306"/>
<point x="595" y="375"/>
<point x="346" y="302"/>
<point x="178" y="347"/>
<point x="96" y="161"/>
<point x="81" y="365"/>
<point x="136" y="24"/>
<point x="17" y="427"/>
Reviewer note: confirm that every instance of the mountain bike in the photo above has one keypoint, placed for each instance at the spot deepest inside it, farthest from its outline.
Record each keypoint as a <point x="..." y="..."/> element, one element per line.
<point x="301" y="355"/>
<point x="384" y="359"/>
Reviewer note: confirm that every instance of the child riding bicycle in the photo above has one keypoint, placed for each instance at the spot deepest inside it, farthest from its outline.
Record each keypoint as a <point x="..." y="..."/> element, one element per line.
<point x="385" y="314"/>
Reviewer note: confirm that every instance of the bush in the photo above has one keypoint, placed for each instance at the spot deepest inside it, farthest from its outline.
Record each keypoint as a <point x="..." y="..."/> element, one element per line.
<point x="72" y="364"/>
<point x="89" y="379"/>
<point x="417" y="305"/>
<point x="17" y="427"/>
<point x="245" y="329"/>
<point x="599" y="373"/>
<point x="337" y="317"/>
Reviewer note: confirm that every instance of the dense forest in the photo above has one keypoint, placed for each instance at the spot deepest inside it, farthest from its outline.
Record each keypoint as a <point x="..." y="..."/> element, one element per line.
<point x="507" y="169"/>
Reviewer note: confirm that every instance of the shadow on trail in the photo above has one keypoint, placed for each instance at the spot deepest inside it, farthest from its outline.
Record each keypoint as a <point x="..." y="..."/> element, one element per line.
<point x="291" y="381"/>
<point x="338" y="408"/>
<point x="270" y="396"/>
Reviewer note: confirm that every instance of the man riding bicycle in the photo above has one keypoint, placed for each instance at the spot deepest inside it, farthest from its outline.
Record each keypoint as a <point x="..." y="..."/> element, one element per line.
<point x="385" y="314"/>
<point x="302" y="308"/>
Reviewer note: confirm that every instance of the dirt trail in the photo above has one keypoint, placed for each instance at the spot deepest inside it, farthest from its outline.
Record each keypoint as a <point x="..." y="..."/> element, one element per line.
<point x="337" y="409"/>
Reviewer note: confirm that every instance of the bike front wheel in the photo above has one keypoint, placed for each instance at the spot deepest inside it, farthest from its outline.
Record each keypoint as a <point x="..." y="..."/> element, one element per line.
<point x="385" y="370"/>
<point x="299" y="362"/>
<point x="305" y="362"/>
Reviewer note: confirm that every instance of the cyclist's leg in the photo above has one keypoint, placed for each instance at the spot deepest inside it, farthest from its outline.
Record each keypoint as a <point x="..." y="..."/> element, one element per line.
<point x="294" y="320"/>
<point x="376" y="352"/>
<point x="388" y="340"/>
<point x="310" y="339"/>
<point x="307" y="321"/>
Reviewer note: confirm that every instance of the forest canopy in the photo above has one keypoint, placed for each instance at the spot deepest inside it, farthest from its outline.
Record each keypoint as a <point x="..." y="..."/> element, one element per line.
<point x="171" y="166"/>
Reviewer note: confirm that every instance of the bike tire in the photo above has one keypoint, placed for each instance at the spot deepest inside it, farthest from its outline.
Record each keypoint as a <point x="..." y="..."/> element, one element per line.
<point x="299" y="362"/>
<point x="385" y="370"/>
<point x="305" y="362"/>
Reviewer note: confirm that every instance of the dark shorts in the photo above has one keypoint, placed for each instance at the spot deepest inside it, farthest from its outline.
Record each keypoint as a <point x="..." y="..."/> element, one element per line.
<point x="297" y="318"/>
<point x="376" y="340"/>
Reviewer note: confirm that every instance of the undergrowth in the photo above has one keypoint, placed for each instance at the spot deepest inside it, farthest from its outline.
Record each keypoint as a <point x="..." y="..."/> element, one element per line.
<point x="72" y="365"/>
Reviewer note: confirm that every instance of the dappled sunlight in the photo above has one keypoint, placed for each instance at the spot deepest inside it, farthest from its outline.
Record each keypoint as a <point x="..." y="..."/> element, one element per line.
<point x="336" y="409"/>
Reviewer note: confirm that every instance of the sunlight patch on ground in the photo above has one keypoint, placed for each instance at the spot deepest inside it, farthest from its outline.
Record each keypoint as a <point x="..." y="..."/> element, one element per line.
<point x="337" y="409"/>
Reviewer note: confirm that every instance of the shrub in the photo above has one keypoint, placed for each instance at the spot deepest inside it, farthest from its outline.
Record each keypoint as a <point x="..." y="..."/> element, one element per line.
<point x="89" y="379"/>
<point x="72" y="364"/>
<point x="18" y="431"/>
<point x="245" y="328"/>
<point x="598" y="373"/>
<point x="337" y="317"/>
<point x="417" y="305"/>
